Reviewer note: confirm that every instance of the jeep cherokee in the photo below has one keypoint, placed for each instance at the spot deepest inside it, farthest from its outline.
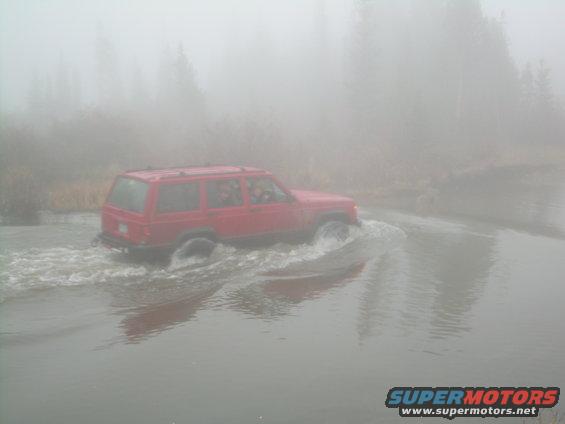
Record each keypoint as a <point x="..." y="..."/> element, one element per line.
<point x="159" y="210"/>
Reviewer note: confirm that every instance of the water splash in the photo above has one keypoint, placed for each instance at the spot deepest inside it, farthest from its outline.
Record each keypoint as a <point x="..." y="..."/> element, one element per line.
<point x="40" y="268"/>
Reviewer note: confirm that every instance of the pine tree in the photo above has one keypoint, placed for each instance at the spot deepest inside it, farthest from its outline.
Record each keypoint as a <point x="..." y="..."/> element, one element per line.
<point x="527" y="105"/>
<point x="63" y="95"/>
<point x="76" y="91"/>
<point x="139" y="93"/>
<point x="108" y="76"/>
<point x="321" y="88"/>
<point x="40" y="100"/>
<point x="545" y="111"/>
<point x="166" y="81"/>
<point x="543" y="92"/>
<point x="181" y="103"/>
<point x="362" y="84"/>
<point x="188" y="95"/>
<point x="36" y="97"/>
<point x="527" y="89"/>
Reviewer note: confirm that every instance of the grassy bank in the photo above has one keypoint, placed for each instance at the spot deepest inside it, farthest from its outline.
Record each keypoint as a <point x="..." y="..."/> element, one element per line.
<point x="23" y="193"/>
<point x="366" y="176"/>
<point x="82" y="195"/>
<point x="421" y="179"/>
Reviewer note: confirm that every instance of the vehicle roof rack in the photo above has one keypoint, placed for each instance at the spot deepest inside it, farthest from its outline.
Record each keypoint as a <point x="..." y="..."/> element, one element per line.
<point x="206" y="174"/>
<point x="206" y="165"/>
<point x="158" y="168"/>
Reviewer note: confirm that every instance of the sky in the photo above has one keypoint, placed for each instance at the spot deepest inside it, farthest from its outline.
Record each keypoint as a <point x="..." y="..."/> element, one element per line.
<point x="36" y="34"/>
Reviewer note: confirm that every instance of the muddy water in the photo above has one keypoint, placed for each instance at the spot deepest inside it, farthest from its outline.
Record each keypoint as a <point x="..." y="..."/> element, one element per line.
<point x="470" y="290"/>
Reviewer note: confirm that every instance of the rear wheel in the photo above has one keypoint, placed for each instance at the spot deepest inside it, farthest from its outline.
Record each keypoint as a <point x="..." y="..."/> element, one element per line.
<point x="195" y="246"/>
<point x="332" y="229"/>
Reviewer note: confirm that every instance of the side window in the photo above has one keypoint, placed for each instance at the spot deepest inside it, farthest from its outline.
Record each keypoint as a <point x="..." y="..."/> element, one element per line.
<point x="265" y="190"/>
<point x="178" y="197"/>
<point x="224" y="193"/>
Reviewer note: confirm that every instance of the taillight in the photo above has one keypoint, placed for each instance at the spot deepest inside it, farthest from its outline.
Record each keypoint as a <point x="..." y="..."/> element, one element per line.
<point x="145" y="231"/>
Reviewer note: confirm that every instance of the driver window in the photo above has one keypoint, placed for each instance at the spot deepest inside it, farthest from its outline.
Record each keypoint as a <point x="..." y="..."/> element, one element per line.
<point x="265" y="190"/>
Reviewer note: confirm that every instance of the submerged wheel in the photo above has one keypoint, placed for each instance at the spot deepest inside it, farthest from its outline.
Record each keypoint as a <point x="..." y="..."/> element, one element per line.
<point x="197" y="246"/>
<point x="332" y="229"/>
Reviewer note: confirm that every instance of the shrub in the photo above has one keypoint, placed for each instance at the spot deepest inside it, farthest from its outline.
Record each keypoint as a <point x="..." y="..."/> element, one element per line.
<point x="20" y="196"/>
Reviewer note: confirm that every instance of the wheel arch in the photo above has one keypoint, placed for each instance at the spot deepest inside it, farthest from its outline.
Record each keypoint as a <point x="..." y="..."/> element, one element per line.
<point x="334" y="215"/>
<point x="203" y="232"/>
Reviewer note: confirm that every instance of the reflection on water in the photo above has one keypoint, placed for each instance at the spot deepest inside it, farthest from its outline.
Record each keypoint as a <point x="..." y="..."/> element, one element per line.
<point x="275" y="297"/>
<point x="375" y="302"/>
<point x="142" y="321"/>
<point x="435" y="279"/>
<point x="459" y="275"/>
<point x="465" y="294"/>
<point x="296" y="290"/>
<point x="447" y="273"/>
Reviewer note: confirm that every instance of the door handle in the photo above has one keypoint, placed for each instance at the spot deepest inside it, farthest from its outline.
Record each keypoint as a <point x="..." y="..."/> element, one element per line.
<point x="255" y="210"/>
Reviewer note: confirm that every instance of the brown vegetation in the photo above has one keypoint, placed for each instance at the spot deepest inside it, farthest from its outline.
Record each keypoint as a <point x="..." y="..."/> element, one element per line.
<point x="82" y="195"/>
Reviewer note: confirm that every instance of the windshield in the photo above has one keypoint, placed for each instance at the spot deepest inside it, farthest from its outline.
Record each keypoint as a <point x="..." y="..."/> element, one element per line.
<point x="129" y="194"/>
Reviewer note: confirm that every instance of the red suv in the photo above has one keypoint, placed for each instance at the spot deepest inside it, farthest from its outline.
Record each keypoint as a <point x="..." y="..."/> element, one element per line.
<point x="154" y="210"/>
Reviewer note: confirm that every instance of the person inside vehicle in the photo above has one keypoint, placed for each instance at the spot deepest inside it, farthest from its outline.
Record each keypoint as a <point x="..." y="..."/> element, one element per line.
<point x="256" y="194"/>
<point x="226" y="195"/>
<point x="260" y="193"/>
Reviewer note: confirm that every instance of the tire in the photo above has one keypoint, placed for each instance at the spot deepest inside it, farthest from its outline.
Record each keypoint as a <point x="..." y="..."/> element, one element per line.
<point x="332" y="229"/>
<point x="196" y="246"/>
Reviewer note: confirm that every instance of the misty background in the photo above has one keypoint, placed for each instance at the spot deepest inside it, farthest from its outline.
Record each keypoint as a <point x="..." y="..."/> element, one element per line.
<point x="353" y="94"/>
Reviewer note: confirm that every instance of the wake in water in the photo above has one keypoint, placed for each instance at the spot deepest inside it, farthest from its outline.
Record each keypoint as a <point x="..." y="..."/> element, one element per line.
<point x="35" y="268"/>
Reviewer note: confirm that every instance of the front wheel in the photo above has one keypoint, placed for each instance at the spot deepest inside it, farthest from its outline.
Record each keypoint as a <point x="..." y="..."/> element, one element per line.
<point x="337" y="230"/>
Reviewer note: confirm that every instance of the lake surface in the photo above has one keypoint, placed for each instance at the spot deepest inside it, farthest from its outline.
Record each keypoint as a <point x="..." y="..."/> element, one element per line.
<point x="468" y="291"/>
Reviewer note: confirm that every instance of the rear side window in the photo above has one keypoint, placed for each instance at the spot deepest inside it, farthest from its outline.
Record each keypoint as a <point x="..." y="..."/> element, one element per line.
<point x="129" y="194"/>
<point x="224" y="193"/>
<point x="178" y="197"/>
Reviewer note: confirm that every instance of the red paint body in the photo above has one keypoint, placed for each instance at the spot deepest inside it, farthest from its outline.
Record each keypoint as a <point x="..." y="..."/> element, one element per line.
<point x="299" y="213"/>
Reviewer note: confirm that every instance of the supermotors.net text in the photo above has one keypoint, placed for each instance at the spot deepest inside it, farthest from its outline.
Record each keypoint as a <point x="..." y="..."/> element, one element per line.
<point x="469" y="412"/>
<point x="452" y="402"/>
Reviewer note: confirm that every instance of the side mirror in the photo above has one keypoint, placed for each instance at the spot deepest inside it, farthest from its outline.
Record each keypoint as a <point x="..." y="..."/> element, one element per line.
<point x="290" y="198"/>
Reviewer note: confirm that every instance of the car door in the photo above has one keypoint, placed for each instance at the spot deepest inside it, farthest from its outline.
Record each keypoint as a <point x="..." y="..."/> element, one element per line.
<point x="178" y="209"/>
<point x="225" y="209"/>
<point x="271" y="207"/>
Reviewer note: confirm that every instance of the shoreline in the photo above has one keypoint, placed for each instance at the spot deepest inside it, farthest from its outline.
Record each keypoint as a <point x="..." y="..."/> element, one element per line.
<point x="387" y="194"/>
<point x="416" y="195"/>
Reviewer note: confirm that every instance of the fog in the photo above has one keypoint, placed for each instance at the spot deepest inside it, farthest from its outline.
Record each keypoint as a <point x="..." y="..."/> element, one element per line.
<point x="414" y="235"/>
<point x="535" y="31"/>
<point x="37" y="34"/>
<point x="408" y="91"/>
